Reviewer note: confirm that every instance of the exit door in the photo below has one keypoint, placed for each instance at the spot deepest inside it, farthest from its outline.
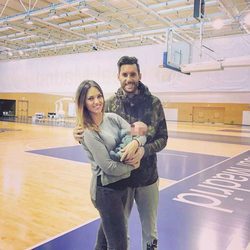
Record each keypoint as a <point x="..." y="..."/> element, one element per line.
<point x="22" y="109"/>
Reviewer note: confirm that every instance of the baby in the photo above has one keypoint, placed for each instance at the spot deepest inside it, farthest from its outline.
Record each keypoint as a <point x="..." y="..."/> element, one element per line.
<point x="137" y="129"/>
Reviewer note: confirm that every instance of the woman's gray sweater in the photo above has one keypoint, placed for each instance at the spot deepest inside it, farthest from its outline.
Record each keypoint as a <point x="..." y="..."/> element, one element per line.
<point x="99" y="144"/>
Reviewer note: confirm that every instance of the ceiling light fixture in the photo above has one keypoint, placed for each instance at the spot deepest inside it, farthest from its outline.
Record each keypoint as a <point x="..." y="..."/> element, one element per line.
<point x="53" y="14"/>
<point x="83" y="7"/>
<point x="27" y="20"/>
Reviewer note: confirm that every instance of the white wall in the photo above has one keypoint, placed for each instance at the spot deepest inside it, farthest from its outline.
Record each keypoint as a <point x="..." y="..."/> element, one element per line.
<point x="246" y="118"/>
<point x="216" y="97"/>
<point x="62" y="74"/>
<point x="171" y="114"/>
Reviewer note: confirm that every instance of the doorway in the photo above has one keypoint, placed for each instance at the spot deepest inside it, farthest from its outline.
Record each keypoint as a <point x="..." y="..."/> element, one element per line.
<point x="22" y="110"/>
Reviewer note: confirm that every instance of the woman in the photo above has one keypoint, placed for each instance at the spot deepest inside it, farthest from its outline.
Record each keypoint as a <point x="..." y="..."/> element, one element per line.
<point x="110" y="178"/>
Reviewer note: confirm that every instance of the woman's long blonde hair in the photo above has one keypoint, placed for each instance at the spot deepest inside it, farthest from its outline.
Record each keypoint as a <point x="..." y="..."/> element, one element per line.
<point x="83" y="117"/>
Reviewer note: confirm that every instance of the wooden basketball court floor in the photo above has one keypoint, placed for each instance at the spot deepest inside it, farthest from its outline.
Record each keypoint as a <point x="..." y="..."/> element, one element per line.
<point x="204" y="197"/>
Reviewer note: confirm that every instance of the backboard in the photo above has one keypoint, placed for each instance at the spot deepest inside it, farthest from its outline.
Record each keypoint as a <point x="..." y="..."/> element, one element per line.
<point x="178" y="51"/>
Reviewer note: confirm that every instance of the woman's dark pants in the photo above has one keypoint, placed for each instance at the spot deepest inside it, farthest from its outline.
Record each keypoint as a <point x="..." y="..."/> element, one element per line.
<point x="112" y="233"/>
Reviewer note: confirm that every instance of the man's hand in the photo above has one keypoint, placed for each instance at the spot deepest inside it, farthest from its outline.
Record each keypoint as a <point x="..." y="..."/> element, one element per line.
<point x="136" y="165"/>
<point x="130" y="150"/>
<point x="78" y="133"/>
<point x="136" y="158"/>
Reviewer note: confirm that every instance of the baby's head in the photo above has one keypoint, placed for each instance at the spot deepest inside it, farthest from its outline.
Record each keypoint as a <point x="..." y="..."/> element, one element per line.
<point x="139" y="128"/>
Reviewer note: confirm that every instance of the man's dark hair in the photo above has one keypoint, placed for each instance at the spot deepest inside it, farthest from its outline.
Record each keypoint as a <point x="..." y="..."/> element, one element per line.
<point x="128" y="60"/>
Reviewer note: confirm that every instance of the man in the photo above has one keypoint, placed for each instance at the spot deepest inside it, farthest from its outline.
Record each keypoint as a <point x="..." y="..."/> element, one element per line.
<point x="134" y="102"/>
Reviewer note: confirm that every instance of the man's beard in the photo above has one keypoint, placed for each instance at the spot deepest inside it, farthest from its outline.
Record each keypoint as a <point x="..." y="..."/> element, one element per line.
<point x="135" y="92"/>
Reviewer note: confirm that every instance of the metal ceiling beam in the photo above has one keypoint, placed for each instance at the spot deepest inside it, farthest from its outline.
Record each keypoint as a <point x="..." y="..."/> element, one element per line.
<point x="186" y="7"/>
<point x="12" y="45"/>
<point x="109" y="21"/>
<point x="62" y="5"/>
<point x="116" y="11"/>
<point x="230" y="9"/>
<point x="35" y="33"/>
<point x="40" y="11"/>
<point x="4" y="7"/>
<point x="115" y="27"/>
<point x="100" y="17"/>
<point x="60" y="28"/>
<point x="167" y="4"/>
<point x="165" y="21"/>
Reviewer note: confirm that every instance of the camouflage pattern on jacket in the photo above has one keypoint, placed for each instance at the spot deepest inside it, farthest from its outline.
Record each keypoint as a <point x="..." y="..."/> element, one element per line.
<point x="146" y="108"/>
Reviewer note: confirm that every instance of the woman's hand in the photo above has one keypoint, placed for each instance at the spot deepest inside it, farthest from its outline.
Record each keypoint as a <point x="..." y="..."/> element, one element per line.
<point x="78" y="133"/>
<point x="129" y="151"/>
<point x="136" y="159"/>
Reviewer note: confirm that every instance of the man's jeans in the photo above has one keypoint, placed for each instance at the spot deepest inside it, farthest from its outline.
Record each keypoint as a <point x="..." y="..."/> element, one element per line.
<point x="147" y="199"/>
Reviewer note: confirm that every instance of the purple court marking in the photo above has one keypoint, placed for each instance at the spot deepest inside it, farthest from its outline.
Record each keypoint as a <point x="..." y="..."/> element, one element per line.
<point x="73" y="153"/>
<point x="194" y="218"/>
<point x="174" y="165"/>
<point x="209" y="208"/>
